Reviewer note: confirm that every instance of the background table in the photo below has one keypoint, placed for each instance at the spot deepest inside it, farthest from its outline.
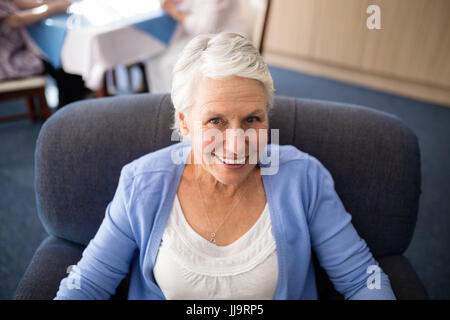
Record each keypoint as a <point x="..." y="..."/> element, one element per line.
<point x="98" y="35"/>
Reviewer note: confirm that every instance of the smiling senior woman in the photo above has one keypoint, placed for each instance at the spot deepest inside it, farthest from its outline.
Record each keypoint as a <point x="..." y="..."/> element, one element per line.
<point x="217" y="225"/>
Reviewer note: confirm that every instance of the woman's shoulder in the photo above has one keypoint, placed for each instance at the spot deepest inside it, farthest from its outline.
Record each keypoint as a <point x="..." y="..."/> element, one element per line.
<point x="285" y="155"/>
<point x="166" y="160"/>
<point x="290" y="159"/>
<point x="291" y="153"/>
<point x="301" y="164"/>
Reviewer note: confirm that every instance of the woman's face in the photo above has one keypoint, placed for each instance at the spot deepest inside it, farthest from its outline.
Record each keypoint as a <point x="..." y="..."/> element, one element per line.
<point x="228" y="125"/>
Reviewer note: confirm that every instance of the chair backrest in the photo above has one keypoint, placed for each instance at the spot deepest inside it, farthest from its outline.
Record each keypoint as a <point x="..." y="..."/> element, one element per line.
<point x="372" y="156"/>
<point x="255" y="13"/>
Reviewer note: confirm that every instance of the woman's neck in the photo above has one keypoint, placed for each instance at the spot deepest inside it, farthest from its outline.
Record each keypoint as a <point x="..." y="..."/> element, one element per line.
<point x="210" y="185"/>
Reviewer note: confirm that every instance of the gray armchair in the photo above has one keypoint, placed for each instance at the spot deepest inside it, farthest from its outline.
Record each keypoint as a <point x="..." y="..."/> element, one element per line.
<point x="373" y="157"/>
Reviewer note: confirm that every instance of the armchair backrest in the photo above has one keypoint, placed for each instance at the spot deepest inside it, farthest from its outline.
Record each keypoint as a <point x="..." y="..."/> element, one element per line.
<point x="372" y="156"/>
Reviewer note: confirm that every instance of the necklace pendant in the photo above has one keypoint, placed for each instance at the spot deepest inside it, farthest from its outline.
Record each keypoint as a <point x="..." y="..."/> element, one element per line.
<point x="213" y="238"/>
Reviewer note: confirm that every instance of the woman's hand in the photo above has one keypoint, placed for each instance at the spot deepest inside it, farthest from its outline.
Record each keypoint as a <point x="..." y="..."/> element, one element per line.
<point x="60" y="6"/>
<point x="170" y="7"/>
<point x="28" y="4"/>
<point x="24" y="18"/>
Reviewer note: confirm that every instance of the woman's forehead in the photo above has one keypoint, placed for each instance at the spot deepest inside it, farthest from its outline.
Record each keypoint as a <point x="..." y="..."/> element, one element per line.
<point x="232" y="92"/>
<point x="234" y="85"/>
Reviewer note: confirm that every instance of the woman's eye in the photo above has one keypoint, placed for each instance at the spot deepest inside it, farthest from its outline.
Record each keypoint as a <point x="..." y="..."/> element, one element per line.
<point x="215" y="121"/>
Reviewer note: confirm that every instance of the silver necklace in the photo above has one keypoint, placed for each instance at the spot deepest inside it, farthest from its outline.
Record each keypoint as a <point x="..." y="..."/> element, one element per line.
<point x="214" y="231"/>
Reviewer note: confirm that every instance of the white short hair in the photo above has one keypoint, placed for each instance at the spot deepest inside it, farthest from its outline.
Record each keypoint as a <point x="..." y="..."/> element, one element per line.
<point x="216" y="56"/>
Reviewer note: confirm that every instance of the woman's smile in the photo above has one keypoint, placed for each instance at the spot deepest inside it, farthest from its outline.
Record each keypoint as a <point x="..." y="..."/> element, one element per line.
<point x="232" y="164"/>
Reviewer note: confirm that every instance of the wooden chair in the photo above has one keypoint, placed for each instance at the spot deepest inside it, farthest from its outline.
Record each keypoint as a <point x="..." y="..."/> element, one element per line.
<point x="105" y="90"/>
<point x="28" y="89"/>
<point x="255" y="14"/>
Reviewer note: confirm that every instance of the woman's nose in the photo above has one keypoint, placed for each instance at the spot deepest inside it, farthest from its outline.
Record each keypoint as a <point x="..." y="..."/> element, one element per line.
<point x="234" y="143"/>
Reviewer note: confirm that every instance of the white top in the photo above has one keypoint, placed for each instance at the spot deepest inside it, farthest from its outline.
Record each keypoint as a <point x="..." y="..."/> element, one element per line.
<point x="190" y="267"/>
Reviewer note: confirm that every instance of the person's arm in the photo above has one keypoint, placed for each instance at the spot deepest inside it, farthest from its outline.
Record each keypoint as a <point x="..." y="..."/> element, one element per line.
<point x="26" y="17"/>
<point x="201" y="19"/>
<point x="341" y="252"/>
<point x="28" y="4"/>
<point x="106" y="259"/>
<point x="170" y="7"/>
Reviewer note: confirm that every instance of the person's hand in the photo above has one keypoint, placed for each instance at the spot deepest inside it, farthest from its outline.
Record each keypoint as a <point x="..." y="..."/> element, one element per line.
<point x="60" y="6"/>
<point x="170" y="7"/>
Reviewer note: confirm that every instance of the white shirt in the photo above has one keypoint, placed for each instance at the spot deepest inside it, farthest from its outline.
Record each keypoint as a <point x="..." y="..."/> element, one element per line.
<point x="190" y="267"/>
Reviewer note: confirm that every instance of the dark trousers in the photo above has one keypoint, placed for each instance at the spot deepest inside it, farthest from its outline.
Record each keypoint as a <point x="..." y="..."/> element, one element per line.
<point x="70" y="87"/>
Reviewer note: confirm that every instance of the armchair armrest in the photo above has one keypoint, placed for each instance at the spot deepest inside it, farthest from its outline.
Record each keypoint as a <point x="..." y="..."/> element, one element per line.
<point x="404" y="280"/>
<point x="47" y="268"/>
<point x="51" y="260"/>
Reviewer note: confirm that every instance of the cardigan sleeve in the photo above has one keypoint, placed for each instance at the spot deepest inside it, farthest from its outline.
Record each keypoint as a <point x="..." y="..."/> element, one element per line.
<point x="341" y="252"/>
<point x="106" y="259"/>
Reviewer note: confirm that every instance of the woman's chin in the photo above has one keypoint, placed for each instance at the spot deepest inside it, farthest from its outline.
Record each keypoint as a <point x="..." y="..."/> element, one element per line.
<point x="226" y="175"/>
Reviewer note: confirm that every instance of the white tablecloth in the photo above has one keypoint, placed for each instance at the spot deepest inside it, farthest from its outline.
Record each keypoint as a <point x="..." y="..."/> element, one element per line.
<point x="90" y="52"/>
<point x="102" y="34"/>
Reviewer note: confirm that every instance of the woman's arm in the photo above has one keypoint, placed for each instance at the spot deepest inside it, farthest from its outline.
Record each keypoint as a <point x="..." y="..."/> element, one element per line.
<point x="203" y="18"/>
<point x="170" y="7"/>
<point x="106" y="260"/>
<point x="341" y="252"/>
<point x="30" y="16"/>
<point x="28" y="4"/>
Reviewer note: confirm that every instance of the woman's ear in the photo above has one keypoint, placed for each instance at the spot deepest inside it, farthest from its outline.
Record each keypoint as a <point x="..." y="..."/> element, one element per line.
<point x="183" y="124"/>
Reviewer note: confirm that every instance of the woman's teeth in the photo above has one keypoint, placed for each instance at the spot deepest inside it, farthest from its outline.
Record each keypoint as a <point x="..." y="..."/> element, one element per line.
<point x="231" y="161"/>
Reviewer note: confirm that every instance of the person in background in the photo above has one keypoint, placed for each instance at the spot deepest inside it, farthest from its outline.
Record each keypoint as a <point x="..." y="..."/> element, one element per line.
<point x="194" y="17"/>
<point x="19" y="56"/>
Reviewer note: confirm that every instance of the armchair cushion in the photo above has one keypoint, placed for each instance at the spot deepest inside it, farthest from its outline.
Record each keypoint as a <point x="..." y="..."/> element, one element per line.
<point x="404" y="280"/>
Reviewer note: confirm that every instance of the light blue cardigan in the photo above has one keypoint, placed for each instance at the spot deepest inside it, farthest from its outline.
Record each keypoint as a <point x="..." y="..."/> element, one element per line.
<point x="305" y="211"/>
